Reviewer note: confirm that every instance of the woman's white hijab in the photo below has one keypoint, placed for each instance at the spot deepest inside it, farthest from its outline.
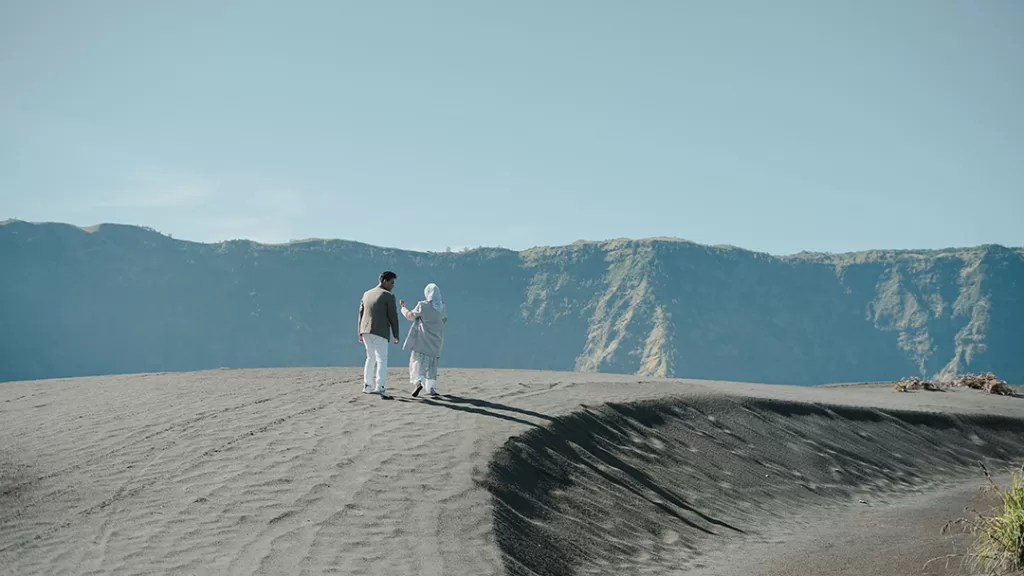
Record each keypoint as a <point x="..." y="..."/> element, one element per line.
<point x="433" y="295"/>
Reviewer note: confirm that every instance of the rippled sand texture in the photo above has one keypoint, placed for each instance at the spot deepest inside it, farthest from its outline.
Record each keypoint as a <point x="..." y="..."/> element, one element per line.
<point x="297" y="472"/>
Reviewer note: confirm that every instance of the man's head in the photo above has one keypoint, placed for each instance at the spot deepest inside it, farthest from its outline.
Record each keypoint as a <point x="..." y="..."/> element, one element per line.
<point x="387" y="280"/>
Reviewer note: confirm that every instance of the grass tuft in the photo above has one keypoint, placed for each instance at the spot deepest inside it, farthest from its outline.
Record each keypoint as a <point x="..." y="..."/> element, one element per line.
<point x="998" y="547"/>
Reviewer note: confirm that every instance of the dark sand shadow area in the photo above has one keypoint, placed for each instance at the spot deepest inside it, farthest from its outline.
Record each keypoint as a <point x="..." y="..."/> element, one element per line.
<point x="472" y="410"/>
<point x="495" y="406"/>
<point x="649" y="487"/>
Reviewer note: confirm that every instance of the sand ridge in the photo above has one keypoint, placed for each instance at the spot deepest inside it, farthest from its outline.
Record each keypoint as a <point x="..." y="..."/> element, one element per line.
<point x="651" y="486"/>
<point x="294" y="471"/>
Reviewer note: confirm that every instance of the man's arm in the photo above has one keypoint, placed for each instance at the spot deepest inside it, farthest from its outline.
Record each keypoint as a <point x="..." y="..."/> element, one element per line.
<point x="359" y="326"/>
<point x="393" y="315"/>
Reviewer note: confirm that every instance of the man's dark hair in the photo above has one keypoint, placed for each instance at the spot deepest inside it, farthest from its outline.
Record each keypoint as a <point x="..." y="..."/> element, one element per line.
<point x="389" y="275"/>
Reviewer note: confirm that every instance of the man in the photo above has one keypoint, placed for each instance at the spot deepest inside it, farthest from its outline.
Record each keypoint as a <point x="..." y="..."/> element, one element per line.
<point x="377" y="314"/>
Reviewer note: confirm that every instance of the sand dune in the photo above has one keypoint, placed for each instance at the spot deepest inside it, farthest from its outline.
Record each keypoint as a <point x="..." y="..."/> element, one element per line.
<point x="296" y="472"/>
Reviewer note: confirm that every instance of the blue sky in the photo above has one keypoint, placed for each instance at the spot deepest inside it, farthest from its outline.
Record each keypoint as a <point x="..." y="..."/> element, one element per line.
<point x="776" y="126"/>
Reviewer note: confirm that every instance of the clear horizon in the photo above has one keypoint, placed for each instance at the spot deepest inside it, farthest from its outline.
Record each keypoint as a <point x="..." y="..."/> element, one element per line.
<point x="776" y="128"/>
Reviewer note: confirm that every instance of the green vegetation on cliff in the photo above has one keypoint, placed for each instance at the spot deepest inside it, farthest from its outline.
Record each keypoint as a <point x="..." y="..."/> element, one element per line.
<point x="117" y="299"/>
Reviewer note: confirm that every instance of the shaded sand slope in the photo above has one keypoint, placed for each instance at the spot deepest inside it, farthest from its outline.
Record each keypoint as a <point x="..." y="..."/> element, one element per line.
<point x="295" y="472"/>
<point x="642" y="487"/>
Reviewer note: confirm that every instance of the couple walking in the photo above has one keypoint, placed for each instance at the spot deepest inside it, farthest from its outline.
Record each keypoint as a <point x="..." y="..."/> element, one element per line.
<point x="378" y="318"/>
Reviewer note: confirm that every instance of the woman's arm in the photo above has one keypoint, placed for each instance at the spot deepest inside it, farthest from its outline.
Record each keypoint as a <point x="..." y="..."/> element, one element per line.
<point x="410" y="315"/>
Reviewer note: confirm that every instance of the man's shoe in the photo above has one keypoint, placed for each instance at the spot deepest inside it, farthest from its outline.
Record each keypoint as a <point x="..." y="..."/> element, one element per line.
<point x="384" y="394"/>
<point x="366" y="389"/>
<point x="418" y="389"/>
<point x="434" y="394"/>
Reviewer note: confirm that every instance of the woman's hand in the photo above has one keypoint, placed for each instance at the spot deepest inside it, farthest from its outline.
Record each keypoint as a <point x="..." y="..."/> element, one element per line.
<point x="401" y="303"/>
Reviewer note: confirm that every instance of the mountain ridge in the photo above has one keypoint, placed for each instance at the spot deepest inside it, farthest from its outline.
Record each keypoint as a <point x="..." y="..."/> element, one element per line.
<point x="652" y="239"/>
<point x="119" y="298"/>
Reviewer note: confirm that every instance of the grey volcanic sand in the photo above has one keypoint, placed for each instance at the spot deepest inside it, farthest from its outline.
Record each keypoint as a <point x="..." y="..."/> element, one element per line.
<point x="885" y="536"/>
<point x="296" y="472"/>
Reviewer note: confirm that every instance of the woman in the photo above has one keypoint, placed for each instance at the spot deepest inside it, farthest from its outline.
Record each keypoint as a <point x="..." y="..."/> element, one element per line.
<point x="425" y="339"/>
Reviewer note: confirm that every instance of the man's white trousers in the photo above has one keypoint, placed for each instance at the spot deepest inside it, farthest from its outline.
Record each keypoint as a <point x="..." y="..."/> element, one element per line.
<point x="376" y="361"/>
